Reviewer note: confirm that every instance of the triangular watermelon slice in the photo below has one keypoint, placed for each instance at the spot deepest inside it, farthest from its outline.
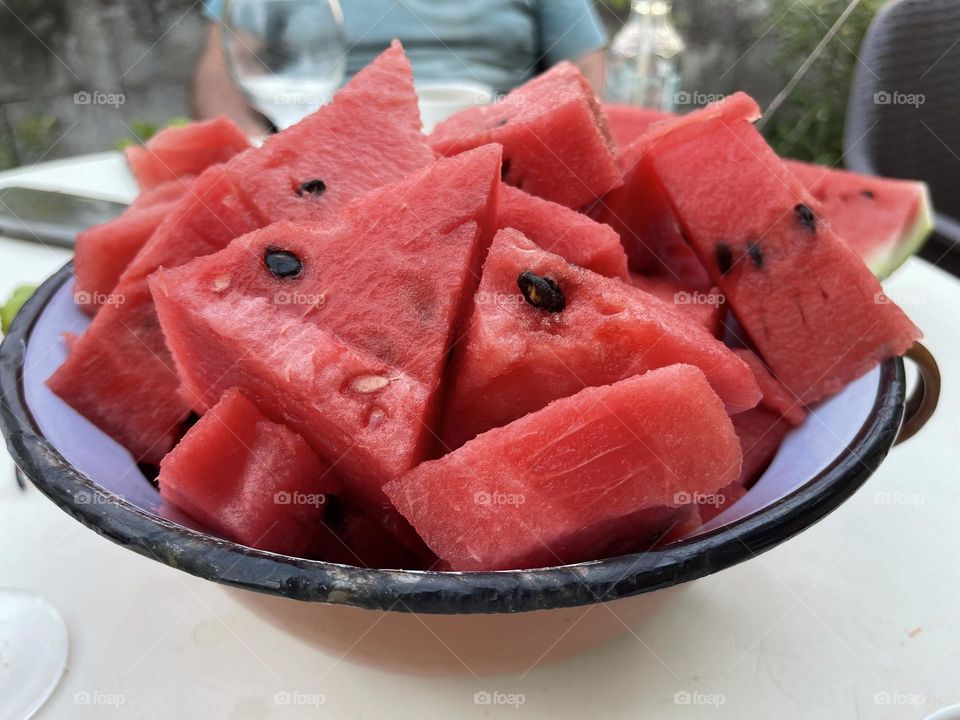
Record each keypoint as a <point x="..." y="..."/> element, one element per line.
<point x="342" y="331"/>
<point x="252" y="480"/>
<point x="565" y="232"/>
<point x="554" y="137"/>
<point x="205" y="221"/>
<point x="884" y="220"/>
<point x="515" y="357"/>
<point x="815" y="313"/>
<point x="591" y="475"/>
<point x="640" y="212"/>
<point x="179" y="152"/>
<point x="367" y="137"/>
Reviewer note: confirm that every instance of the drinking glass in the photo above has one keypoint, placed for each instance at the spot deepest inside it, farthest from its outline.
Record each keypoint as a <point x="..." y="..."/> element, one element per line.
<point x="287" y="56"/>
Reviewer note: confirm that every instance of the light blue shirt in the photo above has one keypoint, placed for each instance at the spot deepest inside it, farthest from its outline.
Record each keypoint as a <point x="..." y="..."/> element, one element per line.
<point x="501" y="43"/>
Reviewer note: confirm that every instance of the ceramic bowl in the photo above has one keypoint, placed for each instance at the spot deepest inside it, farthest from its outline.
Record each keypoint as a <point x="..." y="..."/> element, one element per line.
<point x="438" y="622"/>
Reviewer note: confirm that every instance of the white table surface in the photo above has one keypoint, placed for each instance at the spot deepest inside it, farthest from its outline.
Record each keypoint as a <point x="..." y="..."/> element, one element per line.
<point x="855" y="618"/>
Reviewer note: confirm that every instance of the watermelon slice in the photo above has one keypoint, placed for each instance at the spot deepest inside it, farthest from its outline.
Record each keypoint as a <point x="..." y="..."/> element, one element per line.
<point x="705" y="305"/>
<point x="349" y="346"/>
<point x="885" y="221"/>
<point x="205" y="221"/>
<point x="515" y="357"/>
<point x="251" y="480"/>
<point x="590" y="475"/>
<point x="119" y="373"/>
<point x="815" y="313"/>
<point x="629" y="122"/>
<point x="372" y="126"/>
<point x="565" y="232"/>
<point x="639" y="211"/>
<point x="179" y="152"/>
<point x="105" y="251"/>
<point x="554" y="137"/>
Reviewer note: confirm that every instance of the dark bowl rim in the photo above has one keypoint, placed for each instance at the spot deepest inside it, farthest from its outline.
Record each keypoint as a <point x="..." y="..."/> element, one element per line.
<point x="425" y="591"/>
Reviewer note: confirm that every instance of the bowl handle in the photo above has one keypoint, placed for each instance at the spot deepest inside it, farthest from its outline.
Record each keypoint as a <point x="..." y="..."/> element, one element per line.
<point x="923" y="400"/>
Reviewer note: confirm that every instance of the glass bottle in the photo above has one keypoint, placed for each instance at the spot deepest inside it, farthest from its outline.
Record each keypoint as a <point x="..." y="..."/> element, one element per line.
<point x="643" y="60"/>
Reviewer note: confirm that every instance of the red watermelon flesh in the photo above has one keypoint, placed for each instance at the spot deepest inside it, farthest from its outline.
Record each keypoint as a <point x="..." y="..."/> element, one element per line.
<point x="565" y="232"/>
<point x="203" y="222"/>
<point x="775" y="396"/>
<point x="628" y="122"/>
<point x="516" y="358"/>
<point x="123" y="380"/>
<point x="183" y="151"/>
<point x="251" y="480"/>
<point x="596" y="473"/>
<point x="357" y="413"/>
<point x="392" y="279"/>
<point x="814" y="312"/>
<point x="119" y="374"/>
<point x="883" y="220"/>
<point x="705" y="305"/>
<point x="163" y="194"/>
<point x="761" y="432"/>
<point x="105" y="251"/>
<point x="368" y="136"/>
<point x="640" y="212"/>
<point x="554" y="137"/>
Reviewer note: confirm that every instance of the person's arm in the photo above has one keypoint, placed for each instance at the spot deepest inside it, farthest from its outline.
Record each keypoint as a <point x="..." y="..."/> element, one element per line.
<point x="572" y="30"/>
<point x="593" y="66"/>
<point x="213" y="92"/>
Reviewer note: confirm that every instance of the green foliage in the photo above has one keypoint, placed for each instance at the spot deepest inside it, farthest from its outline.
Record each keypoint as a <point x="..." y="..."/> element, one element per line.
<point x="36" y="134"/>
<point x="142" y="130"/>
<point x="809" y="125"/>
<point x="16" y="301"/>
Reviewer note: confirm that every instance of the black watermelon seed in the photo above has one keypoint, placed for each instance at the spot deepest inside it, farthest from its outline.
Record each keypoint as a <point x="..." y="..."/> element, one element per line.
<point x="282" y="263"/>
<point x="724" y="258"/>
<point x="806" y="217"/>
<point x="505" y="168"/>
<point x="756" y="254"/>
<point x="503" y="121"/>
<point x="311" y="187"/>
<point x="541" y="292"/>
<point x="867" y="194"/>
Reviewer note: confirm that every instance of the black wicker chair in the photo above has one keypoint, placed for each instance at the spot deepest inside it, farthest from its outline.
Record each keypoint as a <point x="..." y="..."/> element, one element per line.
<point x="903" y="119"/>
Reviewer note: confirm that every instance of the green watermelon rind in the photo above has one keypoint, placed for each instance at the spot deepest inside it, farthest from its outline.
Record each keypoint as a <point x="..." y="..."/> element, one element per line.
<point x="886" y="262"/>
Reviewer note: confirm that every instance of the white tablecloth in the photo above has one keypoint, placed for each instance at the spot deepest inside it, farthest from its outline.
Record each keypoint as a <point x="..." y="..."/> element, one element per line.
<point x="855" y="618"/>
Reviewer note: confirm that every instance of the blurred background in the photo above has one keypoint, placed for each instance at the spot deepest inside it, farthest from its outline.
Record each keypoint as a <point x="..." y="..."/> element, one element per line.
<point x="144" y="52"/>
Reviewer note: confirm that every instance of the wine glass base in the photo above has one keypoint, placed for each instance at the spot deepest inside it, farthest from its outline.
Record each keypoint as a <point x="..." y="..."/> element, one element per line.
<point x="34" y="646"/>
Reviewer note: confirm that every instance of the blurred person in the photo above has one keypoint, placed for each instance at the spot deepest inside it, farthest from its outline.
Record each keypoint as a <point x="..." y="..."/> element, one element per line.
<point x="499" y="43"/>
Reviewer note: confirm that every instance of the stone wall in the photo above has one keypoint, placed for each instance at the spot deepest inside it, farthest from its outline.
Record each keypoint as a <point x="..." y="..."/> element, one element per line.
<point x="142" y="52"/>
<point x="79" y="75"/>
